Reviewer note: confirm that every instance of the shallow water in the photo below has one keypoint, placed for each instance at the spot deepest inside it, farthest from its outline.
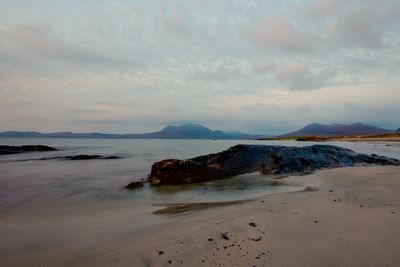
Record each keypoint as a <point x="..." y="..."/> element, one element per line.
<point x="26" y="181"/>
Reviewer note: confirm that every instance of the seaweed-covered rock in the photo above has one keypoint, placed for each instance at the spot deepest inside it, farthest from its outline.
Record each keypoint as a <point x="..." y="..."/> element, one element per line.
<point x="242" y="159"/>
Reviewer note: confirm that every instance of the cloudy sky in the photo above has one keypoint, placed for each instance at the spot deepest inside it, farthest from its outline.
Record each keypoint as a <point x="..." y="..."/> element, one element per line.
<point x="255" y="66"/>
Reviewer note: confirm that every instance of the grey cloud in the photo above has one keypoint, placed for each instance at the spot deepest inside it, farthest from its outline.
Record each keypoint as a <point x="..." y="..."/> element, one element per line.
<point x="219" y="72"/>
<point x="298" y="76"/>
<point x="322" y="8"/>
<point x="200" y="63"/>
<point x="355" y="23"/>
<point x="263" y="66"/>
<point x="178" y="25"/>
<point x="37" y="42"/>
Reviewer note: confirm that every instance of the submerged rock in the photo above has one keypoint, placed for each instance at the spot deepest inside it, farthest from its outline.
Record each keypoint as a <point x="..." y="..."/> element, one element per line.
<point x="4" y="150"/>
<point x="241" y="159"/>
<point x="86" y="157"/>
<point x="134" y="185"/>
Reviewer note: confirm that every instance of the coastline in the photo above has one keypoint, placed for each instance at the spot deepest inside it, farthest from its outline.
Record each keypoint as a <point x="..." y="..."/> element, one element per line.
<point x="370" y="139"/>
<point x="351" y="220"/>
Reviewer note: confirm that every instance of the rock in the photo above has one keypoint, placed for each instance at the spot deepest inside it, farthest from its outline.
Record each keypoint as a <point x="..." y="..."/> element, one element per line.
<point x="4" y="150"/>
<point x="134" y="185"/>
<point x="224" y="236"/>
<point x="86" y="157"/>
<point x="241" y="159"/>
<point x="256" y="239"/>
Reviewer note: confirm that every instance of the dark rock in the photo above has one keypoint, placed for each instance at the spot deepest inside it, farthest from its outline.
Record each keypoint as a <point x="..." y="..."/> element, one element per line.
<point x="252" y="224"/>
<point x="225" y="236"/>
<point x="134" y="185"/>
<point x="81" y="157"/>
<point x="4" y="150"/>
<point x="242" y="159"/>
<point x="256" y="239"/>
<point x="87" y="157"/>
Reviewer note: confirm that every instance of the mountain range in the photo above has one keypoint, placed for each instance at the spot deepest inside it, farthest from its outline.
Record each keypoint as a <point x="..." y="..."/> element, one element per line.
<point x="329" y="130"/>
<point x="185" y="131"/>
<point x="197" y="131"/>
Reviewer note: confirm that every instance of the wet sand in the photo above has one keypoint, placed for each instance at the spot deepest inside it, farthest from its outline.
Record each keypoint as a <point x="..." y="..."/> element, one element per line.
<point x="351" y="220"/>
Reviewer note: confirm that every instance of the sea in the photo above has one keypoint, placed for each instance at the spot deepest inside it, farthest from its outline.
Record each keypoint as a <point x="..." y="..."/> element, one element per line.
<point x="57" y="204"/>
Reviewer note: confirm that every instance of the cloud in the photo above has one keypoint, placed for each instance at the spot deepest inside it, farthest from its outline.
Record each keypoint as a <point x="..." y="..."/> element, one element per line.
<point x="322" y="9"/>
<point x="278" y="33"/>
<point x="363" y="27"/>
<point x="263" y="66"/>
<point x="38" y="42"/>
<point x="355" y="23"/>
<point x="178" y="25"/>
<point x="217" y="72"/>
<point x="185" y="61"/>
<point x="298" y="77"/>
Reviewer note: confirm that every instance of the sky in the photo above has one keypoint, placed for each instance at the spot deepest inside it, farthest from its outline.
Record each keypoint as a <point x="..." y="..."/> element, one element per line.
<point x="253" y="66"/>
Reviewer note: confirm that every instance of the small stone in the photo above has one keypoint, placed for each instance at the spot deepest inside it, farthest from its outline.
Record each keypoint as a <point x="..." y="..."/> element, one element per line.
<point x="160" y="252"/>
<point x="225" y="236"/>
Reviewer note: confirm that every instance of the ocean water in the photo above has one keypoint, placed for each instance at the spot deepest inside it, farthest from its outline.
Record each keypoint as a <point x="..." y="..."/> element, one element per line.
<point x="26" y="181"/>
<point x="59" y="205"/>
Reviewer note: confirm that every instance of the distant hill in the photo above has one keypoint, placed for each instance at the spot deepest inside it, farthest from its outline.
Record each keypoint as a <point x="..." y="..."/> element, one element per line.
<point x="316" y="129"/>
<point x="186" y="131"/>
<point x="398" y="130"/>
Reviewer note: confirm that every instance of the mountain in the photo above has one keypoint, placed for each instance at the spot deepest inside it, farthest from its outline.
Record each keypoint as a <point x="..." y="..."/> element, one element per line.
<point x="398" y="130"/>
<point x="316" y="129"/>
<point x="186" y="131"/>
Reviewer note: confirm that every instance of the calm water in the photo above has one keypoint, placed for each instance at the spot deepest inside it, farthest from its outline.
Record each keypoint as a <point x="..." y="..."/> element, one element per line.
<point x="26" y="182"/>
<point x="53" y="206"/>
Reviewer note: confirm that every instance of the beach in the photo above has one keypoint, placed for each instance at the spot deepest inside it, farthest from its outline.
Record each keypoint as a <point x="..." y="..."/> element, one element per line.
<point x="76" y="213"/>
<point x="350" y="218"/>
<point x="354" y="225"/>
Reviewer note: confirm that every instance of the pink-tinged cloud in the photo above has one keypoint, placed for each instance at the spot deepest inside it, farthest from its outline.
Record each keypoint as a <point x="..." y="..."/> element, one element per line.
<point x="277" y="32"/>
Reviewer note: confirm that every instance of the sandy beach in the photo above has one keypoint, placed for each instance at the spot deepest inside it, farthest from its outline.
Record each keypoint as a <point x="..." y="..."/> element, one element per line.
<point x="352" y="219"/>
<point x="386" y="140"/>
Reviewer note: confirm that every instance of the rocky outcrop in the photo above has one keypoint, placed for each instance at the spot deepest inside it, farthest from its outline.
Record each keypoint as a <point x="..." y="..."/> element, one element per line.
<point x="242" y="159"/>
<point x="4" y="150"/>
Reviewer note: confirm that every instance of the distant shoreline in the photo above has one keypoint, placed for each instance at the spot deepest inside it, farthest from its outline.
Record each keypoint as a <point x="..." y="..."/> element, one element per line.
<point x="391" y="137"/>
